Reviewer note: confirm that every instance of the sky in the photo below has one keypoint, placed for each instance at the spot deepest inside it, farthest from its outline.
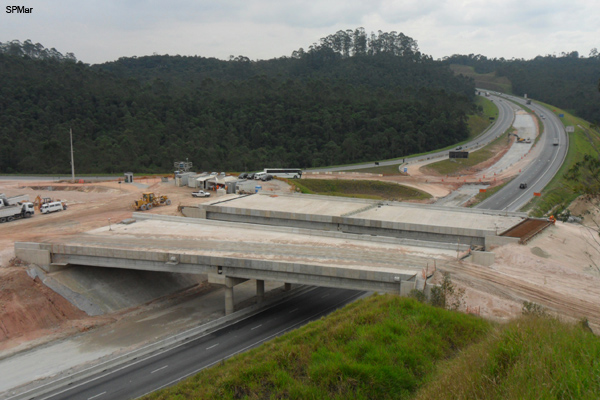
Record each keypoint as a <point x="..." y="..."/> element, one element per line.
<point x="100" y="31"/>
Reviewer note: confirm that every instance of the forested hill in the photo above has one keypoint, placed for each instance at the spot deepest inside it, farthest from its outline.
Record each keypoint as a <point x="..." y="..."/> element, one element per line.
<point x="568" y="81"/>
<point x="349" y="98"/>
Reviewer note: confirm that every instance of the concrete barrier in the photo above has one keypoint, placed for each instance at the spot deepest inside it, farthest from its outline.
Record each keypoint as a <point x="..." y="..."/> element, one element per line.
<point x="484" y="258"/>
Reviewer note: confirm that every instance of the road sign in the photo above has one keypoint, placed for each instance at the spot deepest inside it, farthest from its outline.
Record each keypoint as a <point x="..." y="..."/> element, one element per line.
<point x="458" y="154"/>
<point x="561" y="115"/>
<point x="405" y="170"/>
<point x="570" y="129"/>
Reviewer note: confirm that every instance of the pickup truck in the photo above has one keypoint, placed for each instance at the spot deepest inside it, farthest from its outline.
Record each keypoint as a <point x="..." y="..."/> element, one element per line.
<point x="201" y="193"/>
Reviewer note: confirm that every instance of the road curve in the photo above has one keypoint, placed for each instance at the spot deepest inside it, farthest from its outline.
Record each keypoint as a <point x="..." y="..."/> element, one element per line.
<point x="540" y="171"/>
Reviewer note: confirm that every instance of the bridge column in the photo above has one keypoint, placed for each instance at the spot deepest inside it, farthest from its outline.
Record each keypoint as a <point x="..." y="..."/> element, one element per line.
<point x="260" y="290"/>
<point x="229" y="284"/>
<point x="287" y="287"/>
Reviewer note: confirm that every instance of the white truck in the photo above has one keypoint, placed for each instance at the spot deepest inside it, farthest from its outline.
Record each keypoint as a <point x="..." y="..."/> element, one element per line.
<point x="201" y="193"/>
<point x="10" y="209"/>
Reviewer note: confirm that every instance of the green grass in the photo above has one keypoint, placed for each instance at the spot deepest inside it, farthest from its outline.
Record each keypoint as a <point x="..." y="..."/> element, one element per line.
<point x="530" y="358"/>
<point x="480" y="122"/>
<point x="383" y="347"/>
<point x="558" y="194"/>
<point x="455" y="166"/>
<point x="480" y="197"/>
<point x="359" y="188"/>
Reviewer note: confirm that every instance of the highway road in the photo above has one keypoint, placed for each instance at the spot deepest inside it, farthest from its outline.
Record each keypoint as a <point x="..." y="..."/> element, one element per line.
<point x="165" y="368"/>
<point x="540" y="171"/>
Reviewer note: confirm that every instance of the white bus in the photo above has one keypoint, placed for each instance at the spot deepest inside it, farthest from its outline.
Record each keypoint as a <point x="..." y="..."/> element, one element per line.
<point x="293" y="173"/>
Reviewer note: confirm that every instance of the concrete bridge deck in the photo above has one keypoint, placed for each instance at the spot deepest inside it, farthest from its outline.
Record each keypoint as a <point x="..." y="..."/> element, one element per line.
<point x="360" y="216"/>
<point x="230" y="254"/>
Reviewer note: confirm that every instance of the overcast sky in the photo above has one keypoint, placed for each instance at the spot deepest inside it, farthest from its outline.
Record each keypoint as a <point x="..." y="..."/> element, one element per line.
<point x="98" y="31"/>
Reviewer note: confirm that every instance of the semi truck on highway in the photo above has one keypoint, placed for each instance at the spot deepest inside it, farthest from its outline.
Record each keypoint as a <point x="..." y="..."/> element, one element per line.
<point x="10" y="209"/>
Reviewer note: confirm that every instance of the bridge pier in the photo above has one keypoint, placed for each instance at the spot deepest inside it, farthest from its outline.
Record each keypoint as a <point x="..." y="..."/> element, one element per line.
<point x="287" y="287"/>
<point x="260" y="291"/>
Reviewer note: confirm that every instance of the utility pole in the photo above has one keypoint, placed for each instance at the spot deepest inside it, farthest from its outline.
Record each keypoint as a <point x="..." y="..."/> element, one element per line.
<point x="72" y="160"/>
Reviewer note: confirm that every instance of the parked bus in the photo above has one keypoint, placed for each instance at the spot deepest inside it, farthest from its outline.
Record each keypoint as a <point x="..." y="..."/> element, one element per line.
<point x="293" y="173"/>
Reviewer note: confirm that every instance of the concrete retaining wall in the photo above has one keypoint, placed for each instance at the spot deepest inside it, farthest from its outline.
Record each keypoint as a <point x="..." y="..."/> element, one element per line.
<point x="484" y="258"/>
<point x="497" y="241"/>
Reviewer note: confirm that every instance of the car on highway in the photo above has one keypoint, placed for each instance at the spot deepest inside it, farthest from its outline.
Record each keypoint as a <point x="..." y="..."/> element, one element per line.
<point x="201" y="193"/>
<point x="523" y="185"/>
<point x="459" y="148"/>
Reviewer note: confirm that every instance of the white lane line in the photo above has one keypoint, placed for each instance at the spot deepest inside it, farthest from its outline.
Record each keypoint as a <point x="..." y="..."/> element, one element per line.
<point x="214" y="345"/>
<point x="256" y="327"/>
<point x="325" y="295"/>
<point x="294" y="310"/>
<point x="98" y="395"/>
<point x="156" y="370"/>
<point x="289" y="328"/>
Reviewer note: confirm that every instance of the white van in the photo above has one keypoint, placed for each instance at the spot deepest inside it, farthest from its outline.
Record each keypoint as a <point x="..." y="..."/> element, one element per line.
<point x="259" y="175"/>
<point x="51" y="207"/>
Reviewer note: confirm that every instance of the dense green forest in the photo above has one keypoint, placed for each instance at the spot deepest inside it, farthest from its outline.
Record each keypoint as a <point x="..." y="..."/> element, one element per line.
<point x="568" y="81"/>
<point x="341" y="101"/>
<point x="350" y="97"/>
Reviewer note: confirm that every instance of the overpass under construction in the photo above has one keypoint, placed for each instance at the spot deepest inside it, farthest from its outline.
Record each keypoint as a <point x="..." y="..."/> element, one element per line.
<point x="293" y="239"/>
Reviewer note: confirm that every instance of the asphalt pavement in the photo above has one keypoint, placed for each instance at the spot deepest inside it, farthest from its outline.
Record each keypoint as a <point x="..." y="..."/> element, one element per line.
<point x="166" y="368"/>
<point x="540" y="171"/>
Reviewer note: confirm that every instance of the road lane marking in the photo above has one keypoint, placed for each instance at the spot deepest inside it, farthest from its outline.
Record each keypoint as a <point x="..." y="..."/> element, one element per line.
<point x="289" y="328"/>
<point x="156" y="370"/>
<point x="325" y="295"/>
<point x="294" y="310"/>
<point x="214" y="345"/>
<point x="98" y="395"/>
<point x="256" y="327"/>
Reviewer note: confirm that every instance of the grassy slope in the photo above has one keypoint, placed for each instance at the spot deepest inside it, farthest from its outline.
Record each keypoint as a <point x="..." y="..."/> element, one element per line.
<point x="449" y="167"/>
<point x="557" y="195"/>
<point x="530" y="358"/>
<point x="359" y="188"/>
<point x="383" y="347"/>
<point x="485" y="81"/>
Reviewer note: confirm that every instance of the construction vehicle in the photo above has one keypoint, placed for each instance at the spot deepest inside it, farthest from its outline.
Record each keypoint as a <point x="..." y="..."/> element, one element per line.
<point x="11" y="210"/>
<point x="519" y="139"/>
<point x="40" y="201"/>
<point x="150" y="200"/>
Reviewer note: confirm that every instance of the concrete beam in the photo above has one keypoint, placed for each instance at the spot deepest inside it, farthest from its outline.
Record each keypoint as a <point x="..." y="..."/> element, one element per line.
<point x="380" y="280"/>
<point x="492" y="242"/>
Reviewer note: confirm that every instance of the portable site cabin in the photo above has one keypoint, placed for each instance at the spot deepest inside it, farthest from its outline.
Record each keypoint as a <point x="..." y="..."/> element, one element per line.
<point x="181" y="179"/>
<point x="201" y="181"/>
<point x="219" y="182"/>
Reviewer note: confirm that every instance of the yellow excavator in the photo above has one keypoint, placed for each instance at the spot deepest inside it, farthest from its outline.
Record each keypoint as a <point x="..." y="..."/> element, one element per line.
<point x="150" y="200"/>
<point x="40" y="201"/>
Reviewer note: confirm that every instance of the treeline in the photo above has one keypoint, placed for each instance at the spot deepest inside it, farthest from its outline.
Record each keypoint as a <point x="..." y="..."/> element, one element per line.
<point x="568" y="81"/>
<point x="325" y="106"/>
